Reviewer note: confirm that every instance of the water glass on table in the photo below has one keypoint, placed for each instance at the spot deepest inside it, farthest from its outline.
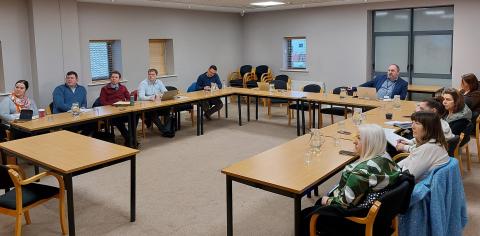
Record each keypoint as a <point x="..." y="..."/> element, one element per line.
<point x="75" y="109"/>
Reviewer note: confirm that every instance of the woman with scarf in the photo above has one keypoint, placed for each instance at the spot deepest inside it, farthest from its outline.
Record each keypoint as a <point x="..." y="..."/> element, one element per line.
<point x="11" y="105"/>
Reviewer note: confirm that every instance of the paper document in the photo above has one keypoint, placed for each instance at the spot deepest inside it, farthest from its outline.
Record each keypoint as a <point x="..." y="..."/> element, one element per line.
<point x="392" y="137"/>
<point x="122" y="103"/>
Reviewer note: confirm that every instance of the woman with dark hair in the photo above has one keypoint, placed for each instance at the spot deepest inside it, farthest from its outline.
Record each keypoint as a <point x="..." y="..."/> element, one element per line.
<point x="435" y="105"/>
<point x="428" y="149"/>
<point x="11" y="106"/>
<point x="458" y="115"/>
<point x="470" y="92"/>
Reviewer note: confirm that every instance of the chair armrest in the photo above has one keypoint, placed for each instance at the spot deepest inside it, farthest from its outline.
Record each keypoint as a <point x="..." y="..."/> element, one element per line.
<point x="370" y="218"/>
<point x="313" y="224"/>
<point x="234" y="75"/>
<point x="17" y="169"/>
<point x="248" y="76"/>
<point x="400" y="157"/>
<point x="42" y="175"/>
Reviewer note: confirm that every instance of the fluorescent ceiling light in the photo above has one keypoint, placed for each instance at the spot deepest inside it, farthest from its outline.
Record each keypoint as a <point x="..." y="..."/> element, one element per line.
<point x="267" y="4"/>
<point x="432" y="13"/>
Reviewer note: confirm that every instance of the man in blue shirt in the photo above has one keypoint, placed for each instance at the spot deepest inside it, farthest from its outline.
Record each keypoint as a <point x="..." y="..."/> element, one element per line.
<point x="71" y="92"/>
<point x="390" y="84"/>
<point x="204" y="82"/>
<point x="151" y="89"/>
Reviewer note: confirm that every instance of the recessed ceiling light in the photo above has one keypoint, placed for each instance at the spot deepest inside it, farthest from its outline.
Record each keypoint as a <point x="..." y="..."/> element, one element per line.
<point x="267" y="4"/>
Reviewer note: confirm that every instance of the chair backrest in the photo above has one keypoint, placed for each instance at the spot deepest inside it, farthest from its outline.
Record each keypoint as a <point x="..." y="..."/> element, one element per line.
<point x="467" y="131"/>
<point x="50" y="106"/>
<point x="5" y="180"/>
<point x="395" y="201"/>
<point x="282" y="77"/>
<point x="97" y="103"/>
<point x="260" y="70"/>
<point x="192" y="87"/>
<point x="312" y="88"/>
<point x="134" y="93"/>
<point x="245" y="69"/>
<point x="170" y="88"/>
<point x="279" y="84"/>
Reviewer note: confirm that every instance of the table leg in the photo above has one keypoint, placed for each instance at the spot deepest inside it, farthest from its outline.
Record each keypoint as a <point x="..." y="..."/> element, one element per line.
<point x="226" y="106"/>
<point x="256" y="108"/>
<point x="298" y="118"/>
<point x="132" y="188"/>
<point x="199" y="114"/>
<point x="239" y="110"/>
<point x="303" y="121"/>
<point x="201" y="120"/>
<point x="229" y="207"/>
<point x="313" y="115"/>
<point x="70" y="209"/>
<point x="298" y="216"/>
<point x="248" y="108"/>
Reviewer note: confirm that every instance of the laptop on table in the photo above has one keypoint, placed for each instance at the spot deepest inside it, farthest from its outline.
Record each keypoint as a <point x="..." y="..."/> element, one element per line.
<point x="169" y="95"/>
<point x="367" y="93"/>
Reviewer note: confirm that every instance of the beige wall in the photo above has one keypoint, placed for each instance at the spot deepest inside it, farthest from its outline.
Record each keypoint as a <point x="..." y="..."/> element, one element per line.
<point x="41" y="40"/>
<point x="14" y="40"/>
<point x="338" y="39"/>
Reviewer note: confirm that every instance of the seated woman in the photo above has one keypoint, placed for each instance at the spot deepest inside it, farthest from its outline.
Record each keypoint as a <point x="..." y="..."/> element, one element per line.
<point x="10" y="106"/>
<point x="470" y="92"/>
<point x="372" y="173"/>
<point x="458" y="115"/>
<point x="112" y="93"/>
<point x="435" y="105"/>
<point x="428" y="149"/>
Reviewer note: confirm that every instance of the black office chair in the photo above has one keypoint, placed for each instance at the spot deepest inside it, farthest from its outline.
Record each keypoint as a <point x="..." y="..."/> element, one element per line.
<point x="263" y="73"/>
<point x="182" y="107"/>
<point x="306" y="106"/>
<point x="278" y="84"/>
<point x="381" y="218"/>
<point x="240" y="77"/>
<point x="336" y="110"/>
<point x="285" y="78"/>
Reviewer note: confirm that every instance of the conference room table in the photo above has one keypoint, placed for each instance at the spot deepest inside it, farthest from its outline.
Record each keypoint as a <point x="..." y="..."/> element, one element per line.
<point x="282" y="169"/>
<point x="70" y="154"/>
<point x="428" y="89"/>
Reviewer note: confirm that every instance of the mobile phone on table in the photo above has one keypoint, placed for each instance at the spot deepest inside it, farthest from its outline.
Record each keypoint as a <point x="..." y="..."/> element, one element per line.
<point x="347" y="153"/>
<point x="344" y="132"/>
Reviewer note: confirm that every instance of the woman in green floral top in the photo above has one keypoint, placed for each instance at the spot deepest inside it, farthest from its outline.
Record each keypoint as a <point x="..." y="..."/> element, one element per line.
<point x="373" y="172"/>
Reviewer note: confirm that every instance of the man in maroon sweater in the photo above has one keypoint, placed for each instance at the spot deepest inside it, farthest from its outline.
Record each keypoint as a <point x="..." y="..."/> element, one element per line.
<point x="112" y="93"/>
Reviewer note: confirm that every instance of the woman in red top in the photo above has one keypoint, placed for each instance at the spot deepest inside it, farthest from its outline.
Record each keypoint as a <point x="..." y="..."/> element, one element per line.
<point x="112" y="93"/>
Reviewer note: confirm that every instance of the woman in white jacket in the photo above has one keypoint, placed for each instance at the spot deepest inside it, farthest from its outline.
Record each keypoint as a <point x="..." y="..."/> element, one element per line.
<point x="428" y="149"/>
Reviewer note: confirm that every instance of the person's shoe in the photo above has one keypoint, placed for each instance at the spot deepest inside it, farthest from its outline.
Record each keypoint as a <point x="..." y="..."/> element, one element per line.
<point x="207" y="117"/>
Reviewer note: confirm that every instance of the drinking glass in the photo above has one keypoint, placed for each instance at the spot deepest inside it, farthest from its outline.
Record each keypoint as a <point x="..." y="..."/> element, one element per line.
<point x="396" y="102"/>
<point x="307" y="157"/>
<point x="357" y="116"/>
<point x="75" y="109"/>
<point x="343" y="93"/>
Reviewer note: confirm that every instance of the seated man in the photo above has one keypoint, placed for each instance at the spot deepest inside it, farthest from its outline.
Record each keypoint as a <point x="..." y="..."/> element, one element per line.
<point x="390" y="84"/>
<point x="71" y="92"/>
<point x="151" y="89"/>
<point x="203" y="83"/>
<point x="112" y="93"/>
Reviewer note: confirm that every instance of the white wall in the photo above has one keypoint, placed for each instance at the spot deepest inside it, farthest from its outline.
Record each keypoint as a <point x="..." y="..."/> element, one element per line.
<point x="338" y="39"/>
<point x="14" y="39"/>
<point x="199" y="40"/>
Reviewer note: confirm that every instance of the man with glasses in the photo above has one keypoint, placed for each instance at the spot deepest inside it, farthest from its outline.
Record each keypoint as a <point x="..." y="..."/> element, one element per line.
<point x="390" y="84"/>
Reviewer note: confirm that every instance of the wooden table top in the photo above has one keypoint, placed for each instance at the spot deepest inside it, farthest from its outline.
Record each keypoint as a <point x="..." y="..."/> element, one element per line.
<point x="424" y="88"/>
<point x="67" y="152"/>
<point x="283" y="167"/>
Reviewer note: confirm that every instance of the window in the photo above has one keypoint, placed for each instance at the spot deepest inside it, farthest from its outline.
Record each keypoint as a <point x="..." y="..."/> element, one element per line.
<point x="104" y="58"/>
<point x="419" y="40"/>
<point x="161" y="55"/>
<point x="296" y="53"/>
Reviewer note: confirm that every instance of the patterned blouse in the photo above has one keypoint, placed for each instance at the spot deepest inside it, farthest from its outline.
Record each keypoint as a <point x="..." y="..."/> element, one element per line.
<point x="359" y="179"/>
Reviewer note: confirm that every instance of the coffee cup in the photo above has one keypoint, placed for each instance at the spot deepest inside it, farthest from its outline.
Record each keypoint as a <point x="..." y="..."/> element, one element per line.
<point x="41" y="113"/>
<point x="388" y="116"/>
